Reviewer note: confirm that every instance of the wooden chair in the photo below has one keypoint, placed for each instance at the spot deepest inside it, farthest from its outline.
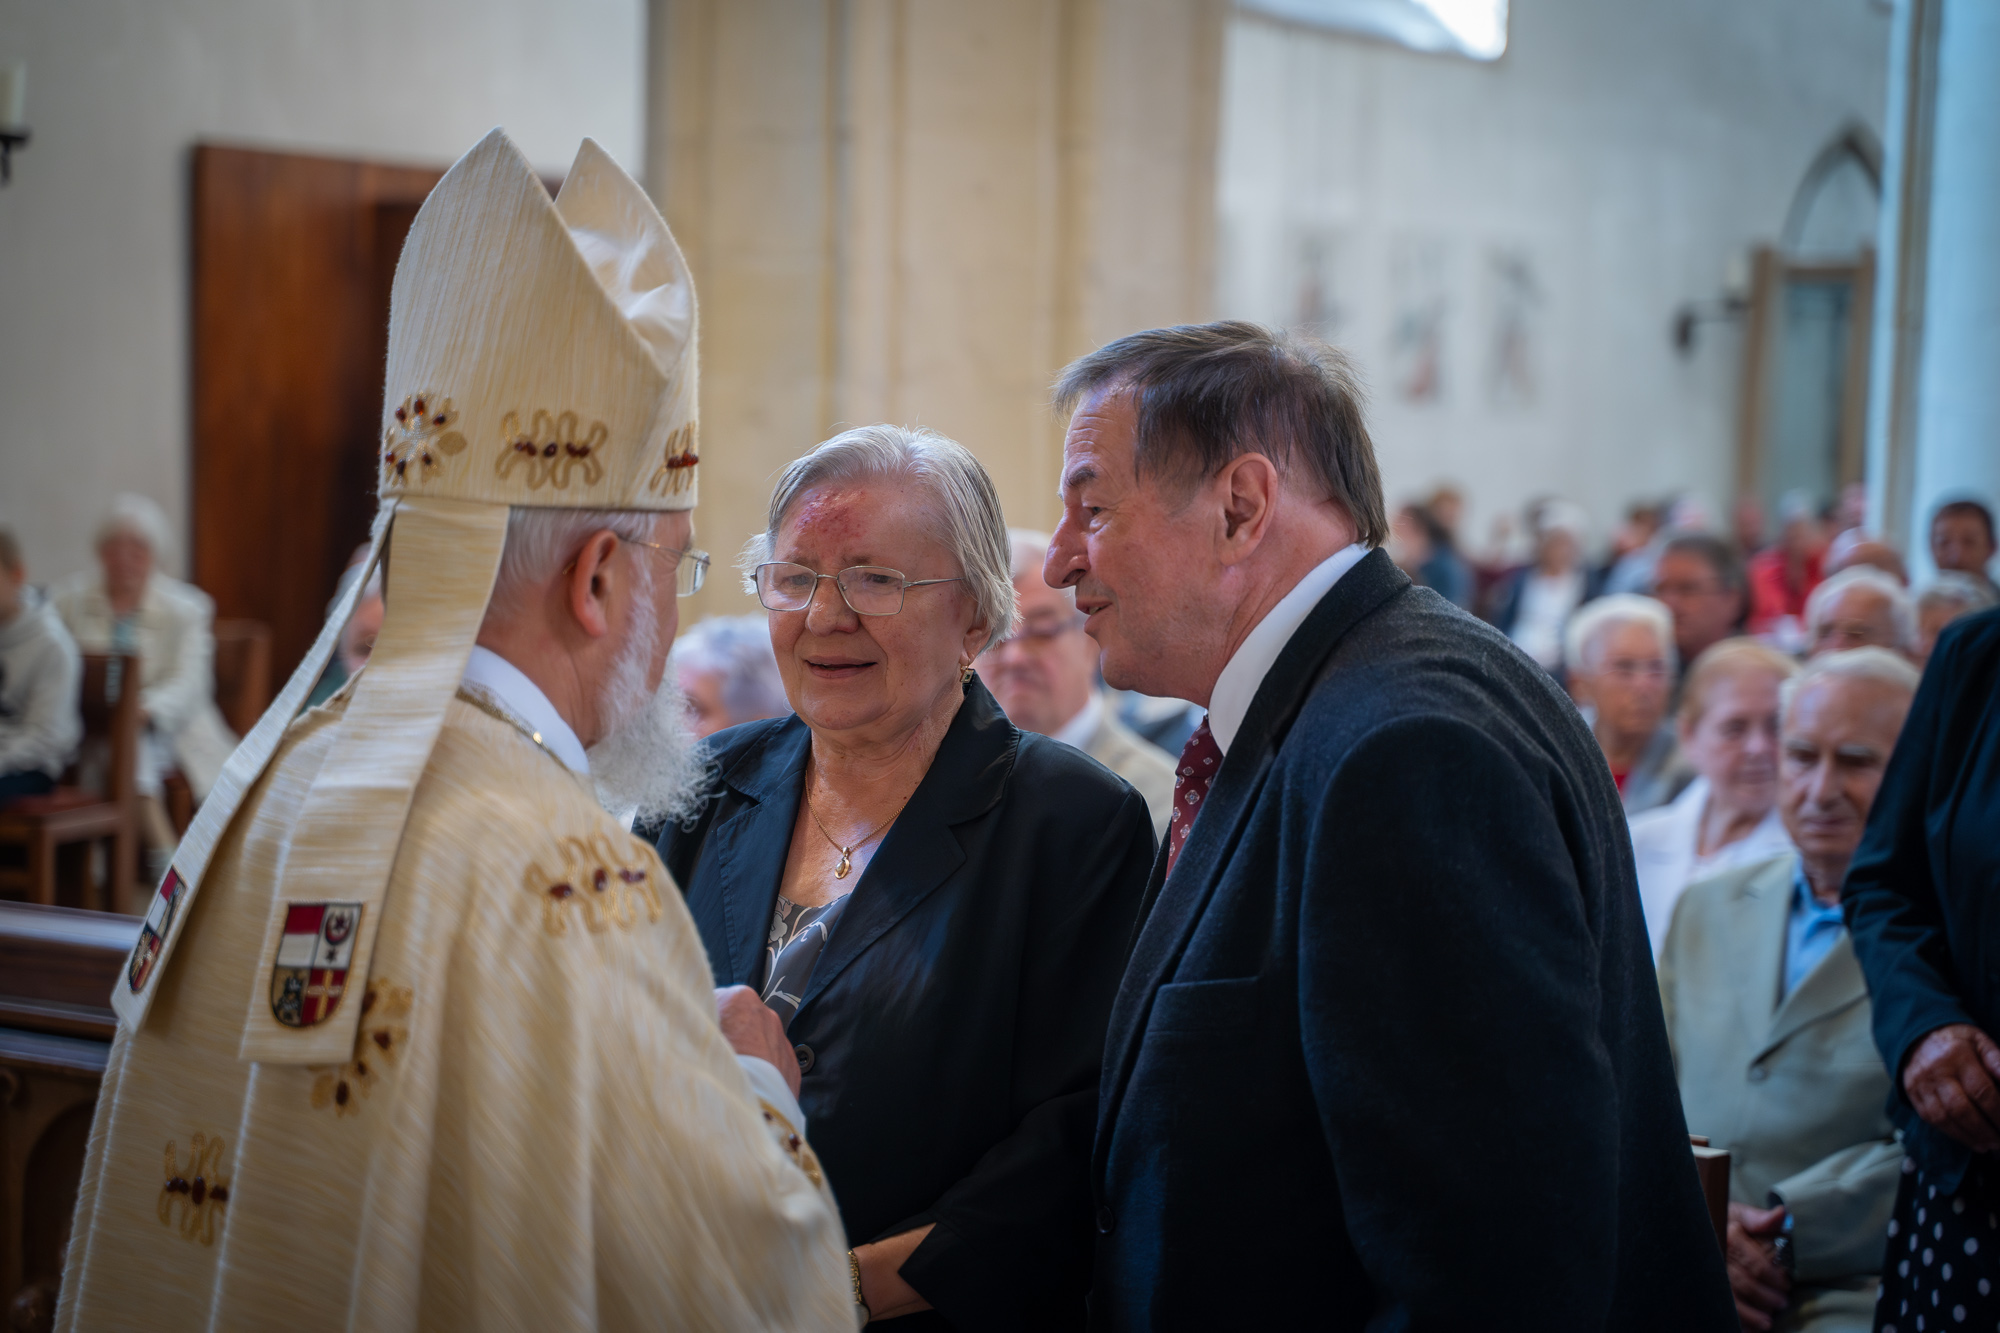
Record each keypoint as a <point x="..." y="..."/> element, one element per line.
<point x="242" y="672"/>
<point x="60" y="826"/>
<point x="242" y="693"/>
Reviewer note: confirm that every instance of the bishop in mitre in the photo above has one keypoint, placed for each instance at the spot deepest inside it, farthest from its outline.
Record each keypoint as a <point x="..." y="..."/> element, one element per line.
<point x="416" y="1035"/>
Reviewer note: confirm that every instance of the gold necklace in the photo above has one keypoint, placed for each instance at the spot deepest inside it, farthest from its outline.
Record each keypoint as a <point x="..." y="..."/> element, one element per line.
<point x="847" y="853"/>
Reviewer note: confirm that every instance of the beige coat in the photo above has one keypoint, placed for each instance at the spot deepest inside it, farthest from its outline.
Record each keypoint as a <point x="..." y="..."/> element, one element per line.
<point x="1132" y="757"/>
<point x="176" y="643"/>
<point x="541" y="1126"/>
<point x="1794" y="1090"/>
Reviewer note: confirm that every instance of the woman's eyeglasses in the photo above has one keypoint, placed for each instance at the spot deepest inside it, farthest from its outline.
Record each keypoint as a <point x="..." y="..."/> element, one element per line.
<point x="868" y="590"/>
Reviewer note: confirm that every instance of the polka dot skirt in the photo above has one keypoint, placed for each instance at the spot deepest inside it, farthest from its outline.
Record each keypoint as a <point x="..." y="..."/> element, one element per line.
<point x="1942" y="1268"/>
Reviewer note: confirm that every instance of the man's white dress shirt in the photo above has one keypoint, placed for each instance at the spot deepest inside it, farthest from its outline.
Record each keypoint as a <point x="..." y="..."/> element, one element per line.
<point x="1229" y="702"/>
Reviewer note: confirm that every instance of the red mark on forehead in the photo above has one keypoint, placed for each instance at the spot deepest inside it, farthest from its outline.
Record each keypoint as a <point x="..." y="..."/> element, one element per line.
<point x="829" y="513"/>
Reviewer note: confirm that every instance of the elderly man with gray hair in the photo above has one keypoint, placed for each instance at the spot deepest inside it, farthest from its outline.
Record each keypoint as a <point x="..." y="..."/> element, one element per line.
<point x="1769" y="1014"/>
<point x="1619" y="651"/>
<point x="1860" y="607"/>
<point x="1045" y="676"/>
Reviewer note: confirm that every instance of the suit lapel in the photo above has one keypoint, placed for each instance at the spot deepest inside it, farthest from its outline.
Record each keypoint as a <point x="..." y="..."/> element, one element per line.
<point x="751" y="845"/>
<point x="1761" y="945"/>
<point x="1833" y="986"/>
<point x="1174" y="904"/>
<point x="922" y="851"/>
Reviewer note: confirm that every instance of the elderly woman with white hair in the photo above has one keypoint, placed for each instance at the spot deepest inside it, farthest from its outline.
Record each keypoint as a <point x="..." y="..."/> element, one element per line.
<point x="726" y="670"/>
<point x="127" y="605"/>
<point x="1860" y="607"/>
<point x="936" y="903"/>
<point x="1728" y="816"/>
<point x="1619" y="652"/>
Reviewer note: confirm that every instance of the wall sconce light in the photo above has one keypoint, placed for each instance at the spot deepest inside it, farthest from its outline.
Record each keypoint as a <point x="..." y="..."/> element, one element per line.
<point x="13" y="115"/>
<point x="1727" y="308"/>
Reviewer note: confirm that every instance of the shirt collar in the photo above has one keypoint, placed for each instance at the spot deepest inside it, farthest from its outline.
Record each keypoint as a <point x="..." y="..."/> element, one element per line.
<point x="1803" y="901"/>
<point x="1235" y="689"/>
<point x="1079" y="729"/>
<point x="509" y="688"/>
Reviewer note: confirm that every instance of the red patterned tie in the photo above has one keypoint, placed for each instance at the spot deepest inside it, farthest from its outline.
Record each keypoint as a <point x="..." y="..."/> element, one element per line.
<point x="1200" y="758"/>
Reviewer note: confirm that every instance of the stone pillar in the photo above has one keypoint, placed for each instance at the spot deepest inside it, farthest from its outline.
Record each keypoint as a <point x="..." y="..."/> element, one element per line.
<point x="918" y="212"/>
<point x="1935" y="430"/>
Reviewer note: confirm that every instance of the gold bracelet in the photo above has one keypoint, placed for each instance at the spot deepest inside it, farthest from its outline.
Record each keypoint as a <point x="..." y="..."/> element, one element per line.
<point x="854" y="1271"/>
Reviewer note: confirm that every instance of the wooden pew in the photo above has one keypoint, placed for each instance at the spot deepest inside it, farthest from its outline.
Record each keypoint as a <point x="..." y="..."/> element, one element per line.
<point x="57" y="968"/>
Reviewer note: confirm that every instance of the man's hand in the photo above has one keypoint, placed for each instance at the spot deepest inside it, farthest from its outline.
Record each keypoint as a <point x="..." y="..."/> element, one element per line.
<point x="1950" y="1080"/>
<point x="1761" y="1288"/>
<point x="750" y="1028"/>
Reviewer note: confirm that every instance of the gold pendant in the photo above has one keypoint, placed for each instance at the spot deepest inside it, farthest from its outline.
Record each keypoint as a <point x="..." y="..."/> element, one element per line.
<point x="840" y="871"/>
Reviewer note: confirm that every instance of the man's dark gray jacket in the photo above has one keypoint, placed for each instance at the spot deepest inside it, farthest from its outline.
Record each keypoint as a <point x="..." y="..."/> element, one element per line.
<point x="1389" y="1052"/>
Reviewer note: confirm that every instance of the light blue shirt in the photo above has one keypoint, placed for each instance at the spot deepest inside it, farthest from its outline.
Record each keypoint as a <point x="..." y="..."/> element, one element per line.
<point x="1811" y="932"/>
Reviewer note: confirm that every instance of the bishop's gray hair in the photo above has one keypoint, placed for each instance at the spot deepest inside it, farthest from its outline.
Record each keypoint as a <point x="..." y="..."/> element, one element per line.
<point x="541" y="540"/>
<point x="966" y="508"/>
<point x="1870" y="663"/>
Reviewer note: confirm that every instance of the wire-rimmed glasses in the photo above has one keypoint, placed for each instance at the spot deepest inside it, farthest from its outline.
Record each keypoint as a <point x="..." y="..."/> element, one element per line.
<point x="690" y="565"/>
<point x="868" y="590"/>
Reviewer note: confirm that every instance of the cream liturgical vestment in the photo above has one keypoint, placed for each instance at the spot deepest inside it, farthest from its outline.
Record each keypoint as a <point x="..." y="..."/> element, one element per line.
<point x="417" y="1036"/>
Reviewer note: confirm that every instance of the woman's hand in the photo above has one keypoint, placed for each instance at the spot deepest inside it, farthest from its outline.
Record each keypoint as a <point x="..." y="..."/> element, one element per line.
<point x="882" y="1287"/>
<point x="1950" y="1080"/>
<point x="750" y="1028"/>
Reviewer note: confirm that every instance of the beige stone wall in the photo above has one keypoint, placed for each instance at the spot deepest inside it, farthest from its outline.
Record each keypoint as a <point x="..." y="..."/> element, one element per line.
<point x="918" y="211"/>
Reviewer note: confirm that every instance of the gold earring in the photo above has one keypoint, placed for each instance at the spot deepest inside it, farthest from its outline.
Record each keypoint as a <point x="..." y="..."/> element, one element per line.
<point x="965" y="674"/>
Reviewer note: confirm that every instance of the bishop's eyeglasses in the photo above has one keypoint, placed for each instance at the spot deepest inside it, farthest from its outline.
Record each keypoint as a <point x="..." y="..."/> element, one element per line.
<point x="868" y="590"/>
<point x="690" y="565"/>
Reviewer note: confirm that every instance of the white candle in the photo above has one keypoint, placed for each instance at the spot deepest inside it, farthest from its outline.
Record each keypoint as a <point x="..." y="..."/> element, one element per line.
<point x="14" y="95"/>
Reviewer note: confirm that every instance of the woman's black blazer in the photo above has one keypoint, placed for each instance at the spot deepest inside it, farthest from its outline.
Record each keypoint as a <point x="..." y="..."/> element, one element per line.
<point x="1922" y="891"/>
<point x="951" y="1033"/>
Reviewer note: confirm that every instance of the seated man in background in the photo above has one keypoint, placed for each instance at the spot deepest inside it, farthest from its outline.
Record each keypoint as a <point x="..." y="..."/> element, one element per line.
<point x="1784" y="574"/>
<point x="1860" y="607"/>
<point x="1620" y="655"/>
<point x="1858" y="546"/>
<point x="1045" y="676"/>
<point x="1962" y="540"/>
<point x="39" y="725"/>
<point x="729" y="674"/>
<point x="1769" y="1016"/>
<point x="1700" y="579"/>
<point x="1951" y="595"/>
<point x="128" y="606"/>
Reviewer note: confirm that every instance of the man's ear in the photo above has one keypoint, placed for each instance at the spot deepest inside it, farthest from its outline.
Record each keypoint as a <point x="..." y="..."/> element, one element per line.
<point x="585" y="582"/>
<point x="1248" y="487"/>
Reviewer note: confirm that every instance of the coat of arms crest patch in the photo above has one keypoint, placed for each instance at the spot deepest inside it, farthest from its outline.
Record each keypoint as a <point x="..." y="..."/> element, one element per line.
<point x="310" y="975"/>
<point x="153" y="934"/>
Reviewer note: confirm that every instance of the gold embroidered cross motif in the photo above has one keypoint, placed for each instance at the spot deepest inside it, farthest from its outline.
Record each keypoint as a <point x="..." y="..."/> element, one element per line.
<point x="594" y="881"/>
<point x="677" y="470"/>
<point x="551" y="449"/>
<point x="384" y="1012"/>
<point x="192" y="1203"/>
<point x="794" y="1145"/>
<point x="422" y="439"/>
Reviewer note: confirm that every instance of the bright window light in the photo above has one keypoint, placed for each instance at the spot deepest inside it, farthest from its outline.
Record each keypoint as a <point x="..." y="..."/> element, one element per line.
<point x="1473" y="28"/>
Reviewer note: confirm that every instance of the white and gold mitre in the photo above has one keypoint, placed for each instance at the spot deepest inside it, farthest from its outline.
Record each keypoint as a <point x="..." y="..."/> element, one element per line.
<point x="541" y="353"/>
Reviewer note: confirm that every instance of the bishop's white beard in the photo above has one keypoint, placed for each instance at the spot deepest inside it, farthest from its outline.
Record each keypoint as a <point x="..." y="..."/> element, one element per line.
<point x="648" y="759"/>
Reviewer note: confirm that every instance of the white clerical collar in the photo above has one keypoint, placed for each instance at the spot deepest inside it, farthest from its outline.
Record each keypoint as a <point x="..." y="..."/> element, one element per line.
<point x="1229" y="702"/>
<point x="1079" y="729"/>
<point x="503" y="683"/>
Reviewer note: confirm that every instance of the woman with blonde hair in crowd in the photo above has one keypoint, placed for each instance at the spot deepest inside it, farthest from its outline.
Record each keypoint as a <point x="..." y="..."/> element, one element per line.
<point x="1728" y="816"/>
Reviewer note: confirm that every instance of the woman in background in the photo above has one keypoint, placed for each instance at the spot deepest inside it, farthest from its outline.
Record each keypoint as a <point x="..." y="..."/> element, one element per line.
<point x="1728" y="816"/>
